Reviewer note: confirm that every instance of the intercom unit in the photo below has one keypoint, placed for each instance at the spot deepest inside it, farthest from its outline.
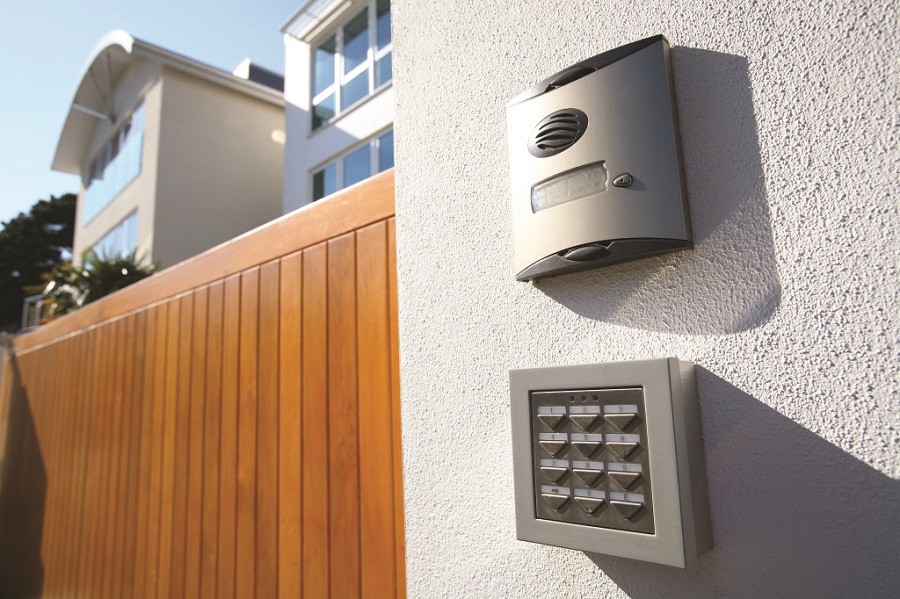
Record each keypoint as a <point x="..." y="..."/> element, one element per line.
<point x="608" y="458"/>
<point x="595" y="164"/>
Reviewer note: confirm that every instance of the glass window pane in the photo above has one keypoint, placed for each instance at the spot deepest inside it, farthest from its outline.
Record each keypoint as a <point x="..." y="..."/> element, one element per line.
<point x="356" y="41"/>
<point x="383" y="26"/>
<point x="383" y="70"/>
<point x="357" y="166"/>
<point x="323" y="71"/>
<point x="323" y="112"/>
<point x="325" y="181"/>
<point x="386" y="151"/>
<point x="355" y="90"/>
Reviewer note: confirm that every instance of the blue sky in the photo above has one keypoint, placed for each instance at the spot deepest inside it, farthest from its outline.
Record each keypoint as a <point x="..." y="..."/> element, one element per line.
<point x="44" y="46"/>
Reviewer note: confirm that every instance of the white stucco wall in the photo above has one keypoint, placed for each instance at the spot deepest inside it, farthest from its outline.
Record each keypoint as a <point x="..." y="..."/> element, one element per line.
<point x="788" y="303"/>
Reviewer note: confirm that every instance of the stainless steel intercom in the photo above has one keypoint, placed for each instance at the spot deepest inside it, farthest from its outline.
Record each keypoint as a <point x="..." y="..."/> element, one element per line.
<point x="595" y="164"/>
<point x="608" y="458"/>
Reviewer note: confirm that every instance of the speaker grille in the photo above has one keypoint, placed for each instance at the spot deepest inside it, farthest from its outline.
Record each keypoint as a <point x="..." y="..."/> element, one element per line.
<point x="557" y="132"/>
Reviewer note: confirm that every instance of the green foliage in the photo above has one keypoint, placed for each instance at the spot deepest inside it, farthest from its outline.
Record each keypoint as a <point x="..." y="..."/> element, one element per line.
<point x="69" y="287"/>
<point x="30" y="245"/>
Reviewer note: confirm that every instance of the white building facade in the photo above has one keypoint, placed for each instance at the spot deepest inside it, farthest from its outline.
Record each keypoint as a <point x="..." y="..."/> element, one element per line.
<point x="339" y="98"/>
<point x="175" y="156"/>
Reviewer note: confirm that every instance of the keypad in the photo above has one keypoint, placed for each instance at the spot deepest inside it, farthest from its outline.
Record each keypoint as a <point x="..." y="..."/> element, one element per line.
<point x="591" y="458"/>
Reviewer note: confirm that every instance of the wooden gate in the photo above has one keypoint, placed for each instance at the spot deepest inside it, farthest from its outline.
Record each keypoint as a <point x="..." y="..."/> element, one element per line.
<point x="229" y="427"/>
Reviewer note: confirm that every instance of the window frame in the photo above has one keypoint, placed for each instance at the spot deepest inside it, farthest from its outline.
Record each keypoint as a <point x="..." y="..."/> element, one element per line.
<point x="340" y="79"/>
<point x="374" y="144"/>
<point x="125" y="129"/>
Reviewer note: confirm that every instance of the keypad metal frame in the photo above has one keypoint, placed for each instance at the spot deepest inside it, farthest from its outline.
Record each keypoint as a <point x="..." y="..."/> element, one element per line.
<point x="675" y="464"/>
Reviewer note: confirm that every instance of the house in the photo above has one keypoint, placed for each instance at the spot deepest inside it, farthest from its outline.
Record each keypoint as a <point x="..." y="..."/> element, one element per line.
<point x="174" y="156"/>
<point x="339" y="98"/>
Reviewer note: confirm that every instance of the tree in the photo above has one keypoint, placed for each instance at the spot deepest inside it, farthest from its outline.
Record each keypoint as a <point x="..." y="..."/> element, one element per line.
<point x="70" y="287"/>
<point x="31" y="244"/>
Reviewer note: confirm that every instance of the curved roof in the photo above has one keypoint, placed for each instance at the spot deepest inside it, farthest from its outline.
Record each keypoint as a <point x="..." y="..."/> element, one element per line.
<point x="110" y="58"/>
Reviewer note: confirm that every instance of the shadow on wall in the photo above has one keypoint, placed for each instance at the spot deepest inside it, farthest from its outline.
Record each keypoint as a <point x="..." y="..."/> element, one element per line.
<point x="793" y="515"/>
<point x="23" y="488"/>
<point x="729" y="281"/>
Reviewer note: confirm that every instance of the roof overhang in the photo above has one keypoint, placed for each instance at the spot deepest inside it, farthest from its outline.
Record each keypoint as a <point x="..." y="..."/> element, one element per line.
<point x="93" y="102"/>
<point x="314" y="17"/>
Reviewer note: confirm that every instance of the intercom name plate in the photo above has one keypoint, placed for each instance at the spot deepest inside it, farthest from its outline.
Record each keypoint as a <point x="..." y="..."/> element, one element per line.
<point x="621" y="476"/>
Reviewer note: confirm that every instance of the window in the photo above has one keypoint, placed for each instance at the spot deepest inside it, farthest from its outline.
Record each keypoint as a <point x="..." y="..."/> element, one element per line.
<point x="374" y="156"/>
<point x="120" y="240"/>
<point x="352" y="63"/>
<point x="116" y="165"/>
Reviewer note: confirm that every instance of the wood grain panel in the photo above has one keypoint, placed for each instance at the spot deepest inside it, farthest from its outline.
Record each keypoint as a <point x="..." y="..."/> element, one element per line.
<point x="316" y="547"/>
<point x="209" y="536"/>
<point x="343" y="417"/>
<point x="229" y="438"/>
<point x="245" y="542"/>
<point x="227" y="428"/>
<point x="267" y="439"/>
<point x="191" y="535"/>
<point x="375" y="421"/>
<point x="290" y="531"/>
<point x="397" y="431"/>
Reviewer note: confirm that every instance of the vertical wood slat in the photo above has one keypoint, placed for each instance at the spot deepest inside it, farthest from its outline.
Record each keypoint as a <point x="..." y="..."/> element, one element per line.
<point x="229" y="438"/>
<point x="173" y="551"/>
<point x="375" y="418"/>
<point x="237" y="438"/>
<point x="267" y="438"/>
<point x="316" y="548"/>
<point x="290" y="499"/>
<point x="209" y="536"/>
<point x="191" y="537"/>
<point x="245" y="542"/>
<point x="399" y="523"/>
<point x="343" y="417"/>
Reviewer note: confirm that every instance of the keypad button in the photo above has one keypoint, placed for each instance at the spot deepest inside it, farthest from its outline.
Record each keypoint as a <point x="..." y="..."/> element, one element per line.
<point x="626" y="480"/>
<point x="552" y="447"/>
<point x="620" y="416"/>
<point x="586" y="471"/>
<point x="623" y="445"/>
<point x="627" y="509"/>
<point x="553" y="473"/>
<point x="589" y="477"/>
<point x="584" y="421"/>
<point x="551" y="420"/>
<point x="551" y="416"/>
<point x="555" y="501"/>
<point x="556" y="497"/>
<point x="623" y="450"/>
<point x="590" y="504"/>
<point x="587" y="447"/>
<point x="587" y="444"/>
<point x="620" y="421"/>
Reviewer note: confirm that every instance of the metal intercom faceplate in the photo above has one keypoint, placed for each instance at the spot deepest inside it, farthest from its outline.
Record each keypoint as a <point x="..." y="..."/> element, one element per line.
<point x="645" y="422"/>
<point x="591" y="464"/>
<point x="595" y="164"/>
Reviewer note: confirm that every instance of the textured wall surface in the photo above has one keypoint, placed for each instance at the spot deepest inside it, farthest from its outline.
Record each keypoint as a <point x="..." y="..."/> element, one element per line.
<point x="788" y="303"/>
